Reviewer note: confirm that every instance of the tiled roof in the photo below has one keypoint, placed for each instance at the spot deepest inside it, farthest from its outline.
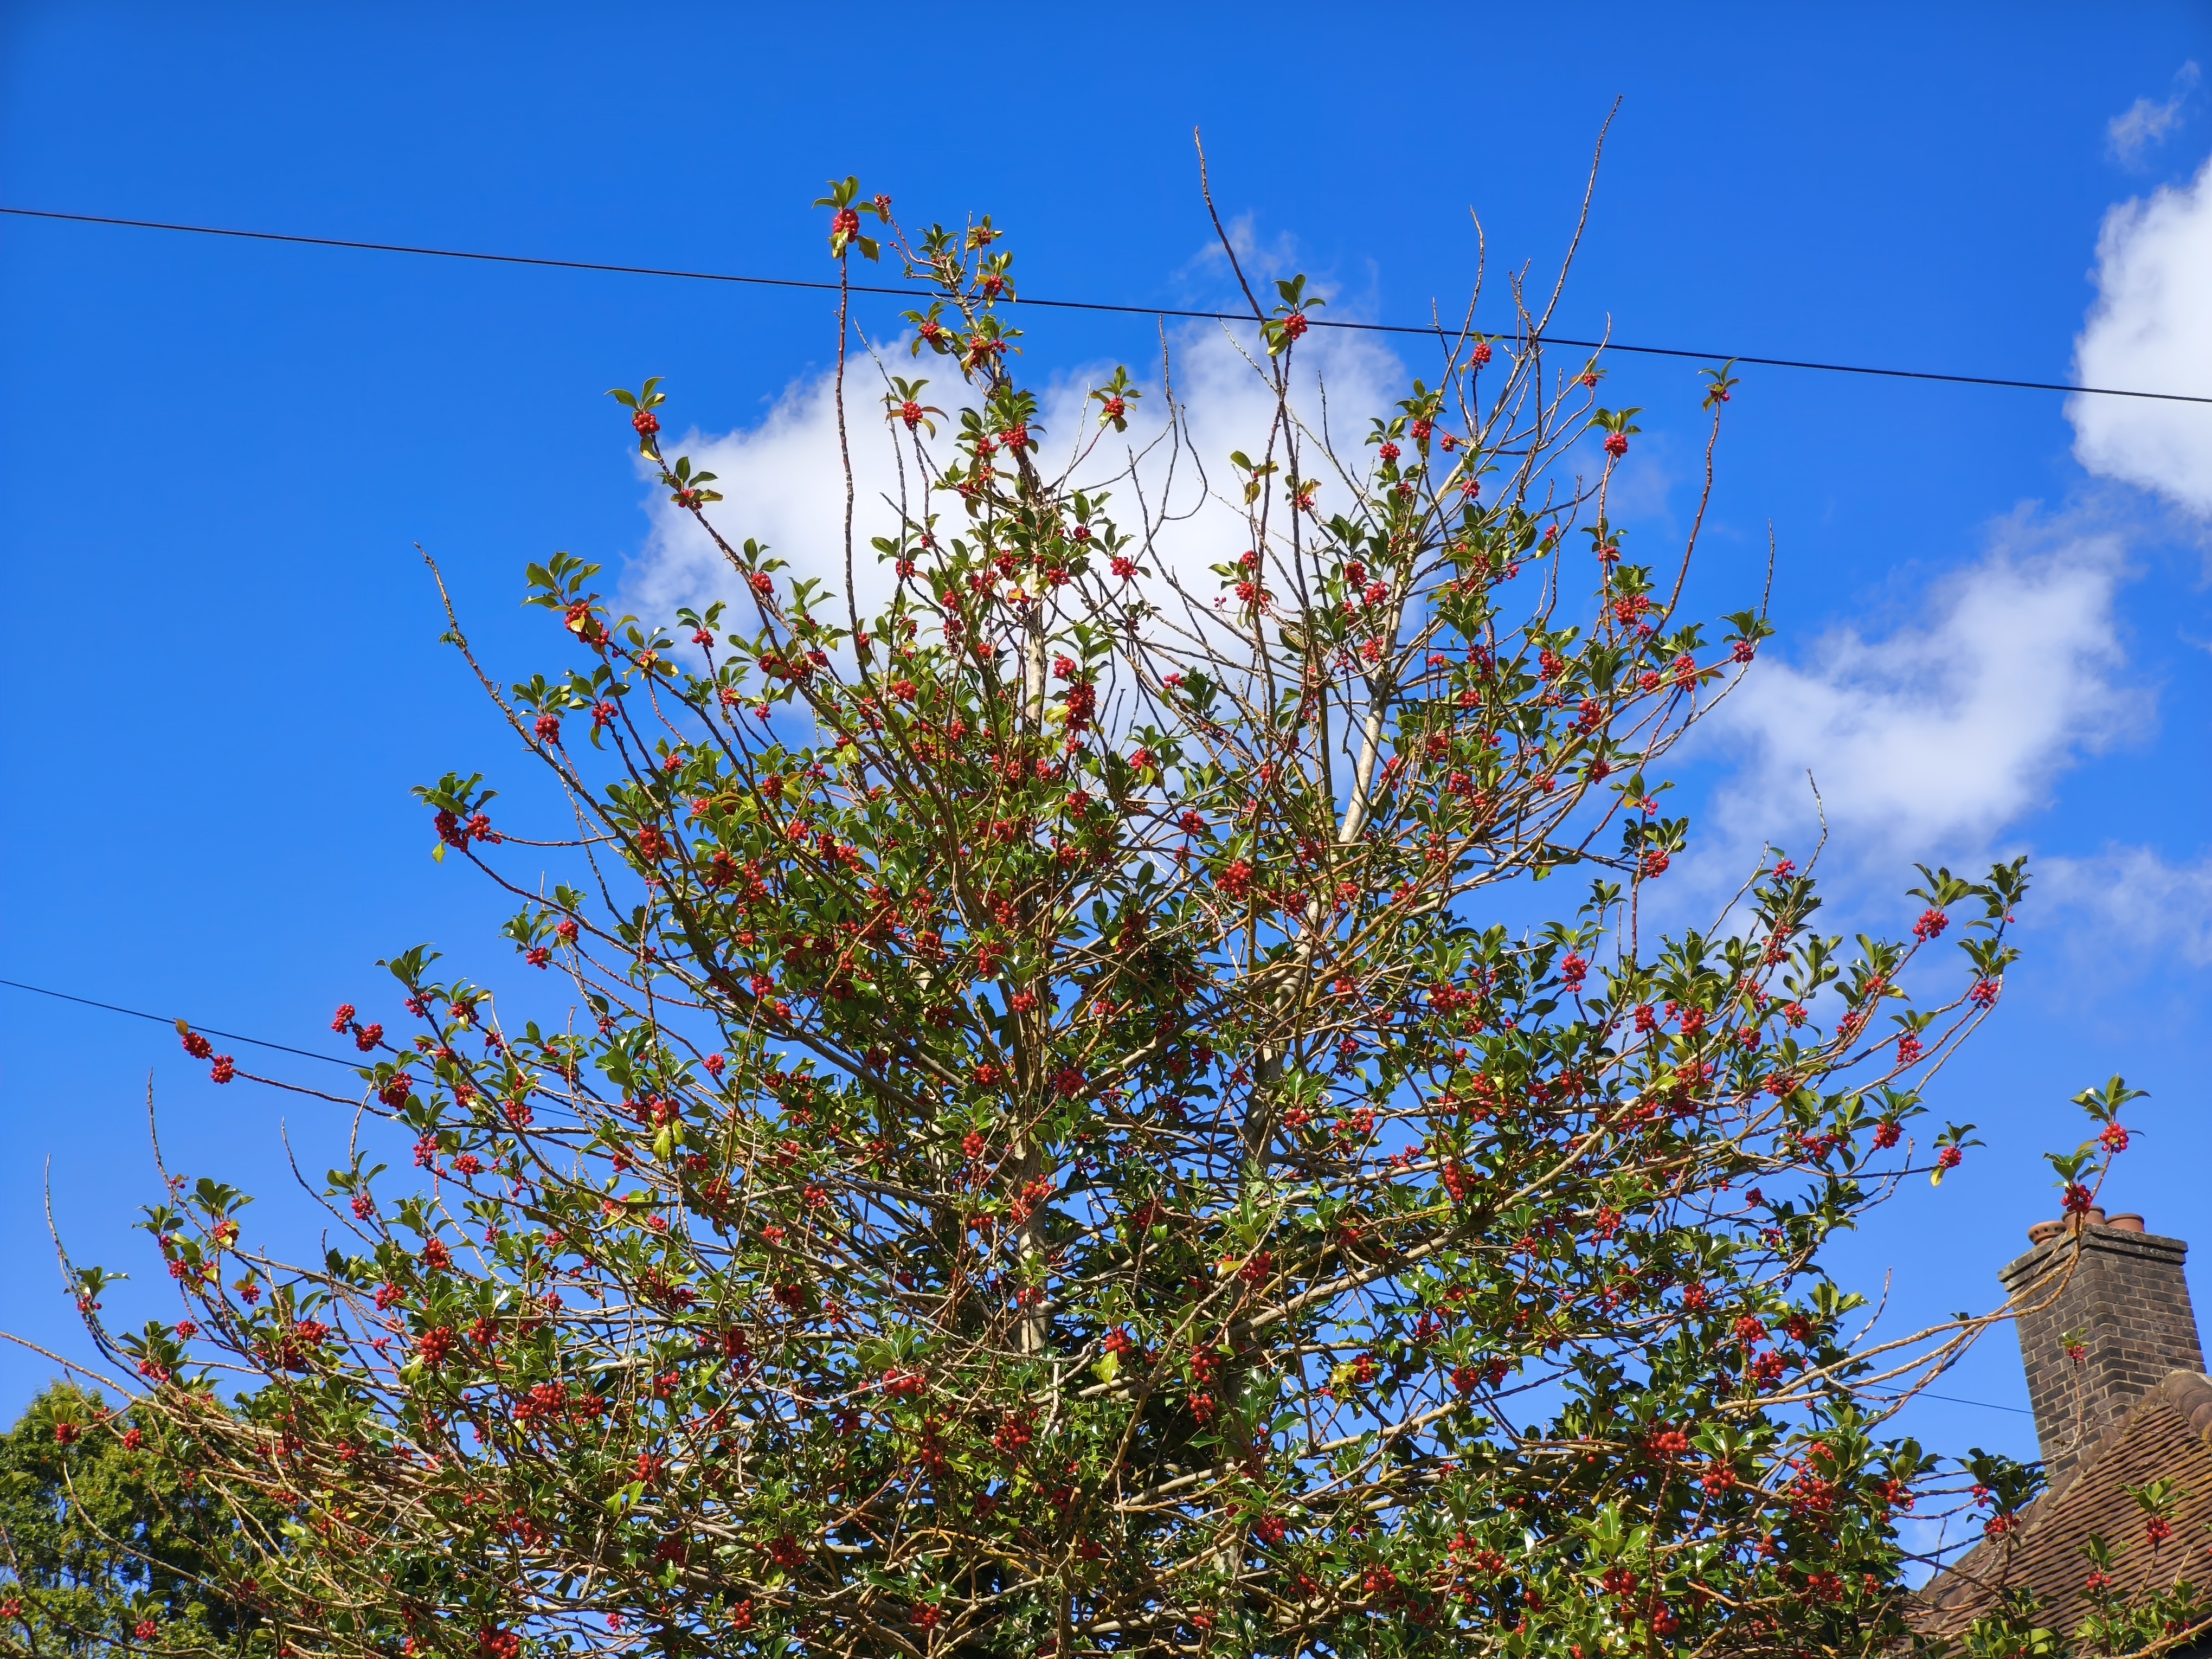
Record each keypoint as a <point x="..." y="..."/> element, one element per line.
<point x="2167" y="1435"/>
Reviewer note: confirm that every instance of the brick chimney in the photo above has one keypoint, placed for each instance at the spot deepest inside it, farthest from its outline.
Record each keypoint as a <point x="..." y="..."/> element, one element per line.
<point x="2122" y="1289"/>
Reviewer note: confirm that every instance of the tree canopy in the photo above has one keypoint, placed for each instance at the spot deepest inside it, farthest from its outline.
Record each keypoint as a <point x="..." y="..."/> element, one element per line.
<point x="1053" y="1143"/>
<point x="103" y="1546"/>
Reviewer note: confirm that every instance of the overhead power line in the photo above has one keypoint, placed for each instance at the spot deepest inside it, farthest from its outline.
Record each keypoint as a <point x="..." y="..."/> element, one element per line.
<point x="163" y="1019"/>
<point x="1986" y="1405"/>
<point x="915" y="293"/>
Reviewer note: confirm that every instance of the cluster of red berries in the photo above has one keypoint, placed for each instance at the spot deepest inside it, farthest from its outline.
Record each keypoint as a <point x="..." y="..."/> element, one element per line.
<point x="199" y="1047"/>
<point x="454" y="833"/>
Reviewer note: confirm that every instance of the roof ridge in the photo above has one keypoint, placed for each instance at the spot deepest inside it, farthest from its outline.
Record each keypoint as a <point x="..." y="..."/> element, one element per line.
<point x="2190" y="1394"/>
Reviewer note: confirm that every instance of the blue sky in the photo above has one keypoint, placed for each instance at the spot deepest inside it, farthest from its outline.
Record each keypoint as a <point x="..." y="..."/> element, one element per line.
<point x="223" y="674"/>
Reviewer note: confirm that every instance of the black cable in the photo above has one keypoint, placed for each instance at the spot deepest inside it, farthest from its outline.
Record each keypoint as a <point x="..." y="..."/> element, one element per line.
<point x="1089" y="305"/>
<point x="204" y="1030"/>
<point x="1986" y="1405"/>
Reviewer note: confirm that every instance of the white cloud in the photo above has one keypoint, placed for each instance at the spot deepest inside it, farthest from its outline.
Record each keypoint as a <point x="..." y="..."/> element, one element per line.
<point x="2151" y="329"/>
<point x="1932" y="739"/>
<point x="2146" y="122"/>
<point x="1261" y="261"/>
<point x="2132" y="896"/>
<point x="1343" y="380"/>
<point x="784" y="485"/>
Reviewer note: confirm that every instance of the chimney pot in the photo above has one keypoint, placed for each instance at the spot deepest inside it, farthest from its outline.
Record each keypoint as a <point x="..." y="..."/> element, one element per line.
<point x="2044" y="1231"/>
<point x="2127" y="1223"/>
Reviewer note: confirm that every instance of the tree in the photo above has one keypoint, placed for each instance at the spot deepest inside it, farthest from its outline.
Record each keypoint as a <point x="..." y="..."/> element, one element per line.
<point x="103" y="1546"/>
<point x="1058" y="1149"/>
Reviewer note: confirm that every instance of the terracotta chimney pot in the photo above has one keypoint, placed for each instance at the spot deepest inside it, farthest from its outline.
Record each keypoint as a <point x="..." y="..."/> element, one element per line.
<point x="2044" y="1231"/>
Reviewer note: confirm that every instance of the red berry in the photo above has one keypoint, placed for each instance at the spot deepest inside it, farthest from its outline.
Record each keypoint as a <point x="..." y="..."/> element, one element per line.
<point x="646" y="421"/>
